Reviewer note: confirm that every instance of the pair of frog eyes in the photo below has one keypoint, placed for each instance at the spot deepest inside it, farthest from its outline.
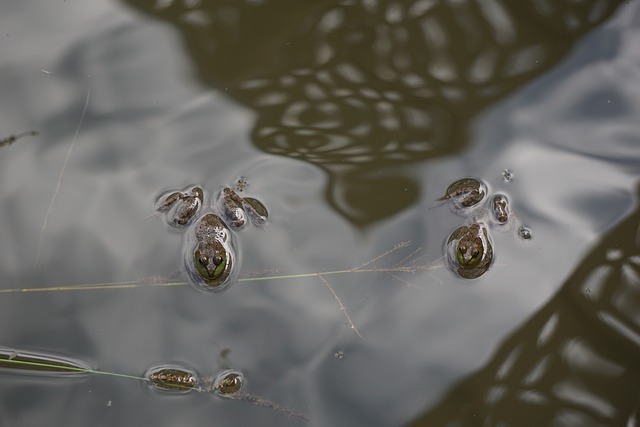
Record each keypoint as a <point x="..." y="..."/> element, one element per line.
<point x="203" y="262"/>
<point x="475" y="256"/>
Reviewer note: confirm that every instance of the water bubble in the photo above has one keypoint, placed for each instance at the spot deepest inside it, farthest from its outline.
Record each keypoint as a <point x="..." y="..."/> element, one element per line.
<point x="339" y="354"/>
<point x="614" y="254"/>
<point x="507" y="175"/>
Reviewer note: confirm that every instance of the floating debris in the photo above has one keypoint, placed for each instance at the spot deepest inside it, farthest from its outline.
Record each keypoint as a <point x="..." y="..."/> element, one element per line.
<point x="13" y="138"/>
<point x="525" y="233"/>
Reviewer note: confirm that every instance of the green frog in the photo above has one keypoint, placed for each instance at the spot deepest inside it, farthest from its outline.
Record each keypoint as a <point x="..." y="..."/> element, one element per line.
<point x="469" y="250"/>
<point x="213" y="257"/>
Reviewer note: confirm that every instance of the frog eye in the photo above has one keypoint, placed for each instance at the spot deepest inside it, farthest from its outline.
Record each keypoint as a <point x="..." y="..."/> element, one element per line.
<point x="221" y="264"/>
<point x="475" y="257"/>
<point x="462" y="249"/>
<point x="203" y="259"/>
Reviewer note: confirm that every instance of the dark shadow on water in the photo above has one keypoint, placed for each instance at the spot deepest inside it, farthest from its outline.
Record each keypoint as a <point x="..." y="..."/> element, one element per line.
<point x="575" y="362"/>
<point x="359" y="87"/>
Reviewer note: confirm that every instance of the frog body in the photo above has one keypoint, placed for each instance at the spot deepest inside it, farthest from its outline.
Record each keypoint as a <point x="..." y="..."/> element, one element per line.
<point x="469" y="250"/>
<point x="181" y="206"/>
<point x="465" y="193"/>
<point x="236" y="209"/>
<point x="213" y="257"/>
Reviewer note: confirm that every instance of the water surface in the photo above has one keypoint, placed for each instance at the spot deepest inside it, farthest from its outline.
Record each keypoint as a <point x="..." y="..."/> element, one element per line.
<point x="347" y="119"/>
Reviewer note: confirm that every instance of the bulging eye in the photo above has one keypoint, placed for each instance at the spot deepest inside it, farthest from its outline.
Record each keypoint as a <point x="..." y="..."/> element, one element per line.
<point x="217" y="259"/>
<point x="203" y="259"/>
<point x="475" y="257"/>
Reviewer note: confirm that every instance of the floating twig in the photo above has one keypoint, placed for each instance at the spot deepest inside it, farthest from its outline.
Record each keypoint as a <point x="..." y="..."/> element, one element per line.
<point x="13" y="138"/>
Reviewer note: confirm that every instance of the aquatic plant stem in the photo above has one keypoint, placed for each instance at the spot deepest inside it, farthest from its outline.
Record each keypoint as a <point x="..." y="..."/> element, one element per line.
<point x="138" y="284"/>
<point x="59" y="182"/>
<point x="343" y="309"/>
<point x="28" y="364"/>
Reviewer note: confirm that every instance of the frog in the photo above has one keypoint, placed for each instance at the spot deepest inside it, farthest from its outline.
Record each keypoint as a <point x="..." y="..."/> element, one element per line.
<point x="211" y="260"/>
<point x="181" y="207"/>
<point x="236" y="209"/>
<point x="465" y="193"/>
<point x="213" y="257"/>
<point x="469" y="248"/>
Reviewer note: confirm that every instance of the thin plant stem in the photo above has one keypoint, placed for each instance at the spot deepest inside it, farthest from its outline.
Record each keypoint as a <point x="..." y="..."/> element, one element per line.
<point x="410" y="268"/>
<point x="71" y="369"/>
<point x="59" y="182"/>
<point x="342" y="307"/>
<point x="137" y="284"/>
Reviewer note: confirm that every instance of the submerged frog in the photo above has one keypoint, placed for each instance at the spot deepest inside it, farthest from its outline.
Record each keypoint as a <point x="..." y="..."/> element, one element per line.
<point x="211" y="259"/>
<point x="469" y="250"/>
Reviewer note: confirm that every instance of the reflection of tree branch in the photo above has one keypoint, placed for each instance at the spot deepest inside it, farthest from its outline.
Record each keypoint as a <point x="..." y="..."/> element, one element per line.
<point x="357" y="86"/>
<point x="575" y="362"/>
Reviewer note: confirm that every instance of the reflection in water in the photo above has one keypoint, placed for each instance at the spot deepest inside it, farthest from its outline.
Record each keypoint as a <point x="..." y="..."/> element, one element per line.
<point x="575" y="362"/>
<point x="355" y="86"/>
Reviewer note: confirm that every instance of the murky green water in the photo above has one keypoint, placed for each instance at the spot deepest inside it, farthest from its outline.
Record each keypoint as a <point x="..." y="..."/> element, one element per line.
<point x="347" y="119"/>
